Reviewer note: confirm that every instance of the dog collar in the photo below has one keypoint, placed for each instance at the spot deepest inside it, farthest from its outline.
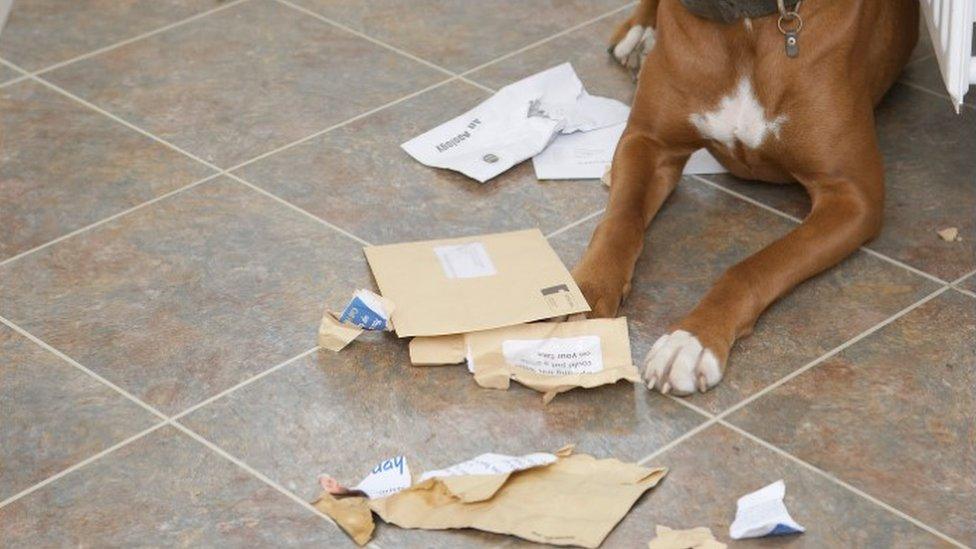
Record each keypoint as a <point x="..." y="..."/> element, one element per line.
<point x="727" y="11"/>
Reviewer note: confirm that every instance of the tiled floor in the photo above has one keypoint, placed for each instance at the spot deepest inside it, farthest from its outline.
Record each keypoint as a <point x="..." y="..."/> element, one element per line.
<point x="184" y="185"/>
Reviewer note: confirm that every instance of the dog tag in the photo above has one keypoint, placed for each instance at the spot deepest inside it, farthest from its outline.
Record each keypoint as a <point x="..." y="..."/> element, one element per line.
<point x="792" y="43"/>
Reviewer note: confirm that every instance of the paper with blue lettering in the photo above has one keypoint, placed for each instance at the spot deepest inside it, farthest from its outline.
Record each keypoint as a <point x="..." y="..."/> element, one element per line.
<point x="368" y="311"/>
<point x="386" y="478"/>
<point x="515" y="124"/>
<point x="365" y="311"/>
<point x="763" y="513"/>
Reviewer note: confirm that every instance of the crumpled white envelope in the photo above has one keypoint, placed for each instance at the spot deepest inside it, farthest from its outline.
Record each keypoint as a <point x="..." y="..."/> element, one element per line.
<point x="515" y="124"/>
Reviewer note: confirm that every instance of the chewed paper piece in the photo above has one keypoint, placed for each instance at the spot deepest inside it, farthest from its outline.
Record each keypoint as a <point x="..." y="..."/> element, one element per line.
<point x="492" y="464"/>
<point x="693" y="538"/>
<point x="388" y="477"/>
<point x="589" y="155"/>
<point x="762" y="513"/>
<point x="552" y="357"/>
<point x="369" y="311"/>
<point x="516" y="123"/>
<point x="568" y="499"/>
<point x="365" y="311"/>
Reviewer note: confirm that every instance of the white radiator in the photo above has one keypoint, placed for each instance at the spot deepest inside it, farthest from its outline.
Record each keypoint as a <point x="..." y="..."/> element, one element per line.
<point x="950" y="24"/>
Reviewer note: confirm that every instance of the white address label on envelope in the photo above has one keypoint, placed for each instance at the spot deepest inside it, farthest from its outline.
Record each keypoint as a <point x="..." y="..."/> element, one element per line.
<point x="492" y="464"/>
<point x="556" y="356"/>
<point x="387" y="478"/>
<point x="469" y="260"/>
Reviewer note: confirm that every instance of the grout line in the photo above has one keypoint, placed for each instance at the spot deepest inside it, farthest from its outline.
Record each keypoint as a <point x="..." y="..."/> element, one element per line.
<point x="366" y="37"/>
<point x="218" y="170"/>
<point x="136" y="38"/>
<point x="20" y="78"/>
<point x="785" y="215"/>
<point x="107" y="219"/>
<point x="242" y="384"/>
<point x="962" y="278"/>
<point x="578" y="222"/>
<point x="124" y="122"/>
<point x="298" y="209"/>
<point x="476" y="84"/>
<point x="75" y="363"/>
<point x="841" y="483"/>
<point x="902" y="264"/>
<point x="254" y="472"/>
<point x="921" y="88"/>
<point x="537" y="43"/>
<point x="663" y="449"/>
<point x="830" y="354"/>
<point x="341" y="124"/>
<point x="79" y="465"/>
<point x="748" y="199"/>
<point x="925" y="57"/>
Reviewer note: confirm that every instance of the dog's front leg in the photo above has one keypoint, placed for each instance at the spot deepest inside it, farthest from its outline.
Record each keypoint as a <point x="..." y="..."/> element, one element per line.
<point x="644" y="173"/>
<point x="845" y="181"/>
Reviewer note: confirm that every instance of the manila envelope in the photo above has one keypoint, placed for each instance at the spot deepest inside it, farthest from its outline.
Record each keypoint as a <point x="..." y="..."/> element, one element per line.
<point x="461" y="285"/>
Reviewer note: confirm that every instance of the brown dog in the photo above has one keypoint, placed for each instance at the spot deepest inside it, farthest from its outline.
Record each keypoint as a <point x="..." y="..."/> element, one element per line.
<point x="732" y="88"/>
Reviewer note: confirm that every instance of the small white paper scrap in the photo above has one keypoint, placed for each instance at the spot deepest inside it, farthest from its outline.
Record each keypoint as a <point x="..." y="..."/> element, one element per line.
<point x="762" y="513"/>
<point x="469" y="260"/>
<point x="555" y="356"/>
<point x="387" y="478"/>
<point x="583" y="155"/>
<point x="587" y="155"/>
<point x="492" y="464"/>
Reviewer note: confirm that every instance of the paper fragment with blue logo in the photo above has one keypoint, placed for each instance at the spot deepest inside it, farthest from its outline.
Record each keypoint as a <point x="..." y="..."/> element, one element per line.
<point x="366" y="311"/>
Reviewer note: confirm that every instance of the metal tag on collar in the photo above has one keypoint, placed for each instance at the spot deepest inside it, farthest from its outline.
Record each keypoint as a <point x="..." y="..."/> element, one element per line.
<point x="791" y="35"/>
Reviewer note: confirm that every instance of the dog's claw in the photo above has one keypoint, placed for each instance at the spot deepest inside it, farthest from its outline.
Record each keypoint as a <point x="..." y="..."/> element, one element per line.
<point x="666" y="388"/>
<point x="702" y="383"/>
<point x="652" y="381"/>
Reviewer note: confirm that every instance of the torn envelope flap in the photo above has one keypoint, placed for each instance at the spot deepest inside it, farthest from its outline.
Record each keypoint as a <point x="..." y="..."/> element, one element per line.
<point x="369" y="311"/>
<point x="437" y="350"/>
<point x="503" y="130"/>
<point x="474" y="283"/>
<point x="553" y="357"/>
<point x="386" y="478"/>
<point x="334" y="335"/>
<point x="763" y="513"/>
<point x="352" y="514"/>
<point x="588" y="113"/>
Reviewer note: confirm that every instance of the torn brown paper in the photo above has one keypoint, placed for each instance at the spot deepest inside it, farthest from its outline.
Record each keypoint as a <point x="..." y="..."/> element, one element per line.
<point x="437" y="350"/>
<point x="949" y="234"/>
<point x="575" y="501"/>
<point x="552" y="357"/>
<point x="476" y="283"/>
<point x="694" y="538"/>
<point x="339" y="329"/>
<point x="352" y="514"/>
<point x="334" y="335"/>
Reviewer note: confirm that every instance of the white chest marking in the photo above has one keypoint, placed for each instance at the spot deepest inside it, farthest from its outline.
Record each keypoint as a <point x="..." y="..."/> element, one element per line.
<point x="739" y="117"/>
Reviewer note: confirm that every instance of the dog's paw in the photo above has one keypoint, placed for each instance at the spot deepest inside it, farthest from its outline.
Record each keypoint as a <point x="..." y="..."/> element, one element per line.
<point x="630" y="50"/>
<point x="678" y="363"/>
